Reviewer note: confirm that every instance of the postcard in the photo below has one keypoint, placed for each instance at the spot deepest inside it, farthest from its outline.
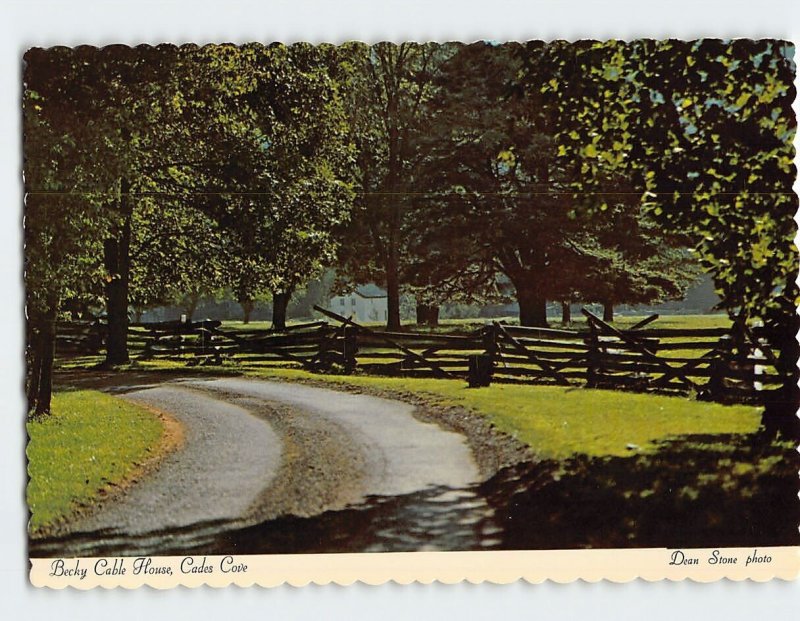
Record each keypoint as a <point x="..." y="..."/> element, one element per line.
<point x="411" y="311"/>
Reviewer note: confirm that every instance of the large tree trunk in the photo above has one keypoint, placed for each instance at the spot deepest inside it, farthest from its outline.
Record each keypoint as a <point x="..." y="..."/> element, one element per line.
<point x="532" y="307"/>
<point x="247" y="308"/>
<point x="191" y="306"/>
<point x="47" y="353"/>
<point x="40" y="377"/>
<point x="422" y="314"/>
<point x="118" y="265"/>
<point x="34" y="366"/>
<point x="280" y="302"/>
<point x="566" y="313"/>
<point x="780" y="411"/>
<point x="392" y="292"/>
<point x="393" y="172"/>
<point x="608" y="312"/>
<point x="527" y="275"/>
<point x="433" y="315"/>
<point x="427" y="314"/>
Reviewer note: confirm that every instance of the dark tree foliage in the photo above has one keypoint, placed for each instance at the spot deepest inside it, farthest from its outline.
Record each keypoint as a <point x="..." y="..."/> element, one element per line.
<point x="236" y="142"/>
<point x="388" y="87"/>
<point x="489" y="177"/>
<point x="499" y="205"/>
<point x="704" y="131"/>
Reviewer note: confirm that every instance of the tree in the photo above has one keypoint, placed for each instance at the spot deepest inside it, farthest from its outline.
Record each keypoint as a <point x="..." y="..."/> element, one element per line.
<point x="247" y="278"/>
<point x="492" y="181"/>
<point x="250" y="141"/>
<point x="68" y="206"/>
<point x="500" y="191"/>
<point x="281" y="235"/>
<point x="177" y="256"/>
<point x="704" y="131"/>
<point x="388" y="87"/>
<point x="730" y="108"/>
<point x="626" y="258"/>
<point x="441" y="268"/>
<point x="119" y="107"/>
<point x="204" y="129"/>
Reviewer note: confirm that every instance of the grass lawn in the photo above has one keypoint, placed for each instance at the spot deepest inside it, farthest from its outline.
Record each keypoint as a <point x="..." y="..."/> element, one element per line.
<point x="90" y="441"/>
<point x="664" y="322"/>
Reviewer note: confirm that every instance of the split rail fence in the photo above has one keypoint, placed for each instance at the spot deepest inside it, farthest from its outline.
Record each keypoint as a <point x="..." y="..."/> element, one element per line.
<point x="731" y="365"/>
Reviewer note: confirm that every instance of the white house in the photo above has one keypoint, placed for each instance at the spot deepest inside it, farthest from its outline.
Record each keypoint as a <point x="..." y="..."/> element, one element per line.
<point x="366" y="303"/>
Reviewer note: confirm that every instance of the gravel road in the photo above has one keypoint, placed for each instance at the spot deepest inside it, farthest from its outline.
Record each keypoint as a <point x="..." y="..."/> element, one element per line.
<point x="255" y="450"/>
<point x="228" y="456"/>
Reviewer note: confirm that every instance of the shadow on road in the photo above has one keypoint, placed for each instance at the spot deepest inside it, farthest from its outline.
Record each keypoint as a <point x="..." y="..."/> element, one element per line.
<point x="436" y="519"/>
<point x="697" y="491"/>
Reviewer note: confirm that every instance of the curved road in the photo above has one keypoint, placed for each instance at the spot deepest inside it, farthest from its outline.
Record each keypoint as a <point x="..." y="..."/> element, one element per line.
<point x="256" y="450"/>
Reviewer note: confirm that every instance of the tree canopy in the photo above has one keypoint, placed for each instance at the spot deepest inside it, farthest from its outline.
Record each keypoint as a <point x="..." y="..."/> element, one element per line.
<point x="172" y="159"/>
<point x="704" y="131"/>
<point x="592" y="171"/>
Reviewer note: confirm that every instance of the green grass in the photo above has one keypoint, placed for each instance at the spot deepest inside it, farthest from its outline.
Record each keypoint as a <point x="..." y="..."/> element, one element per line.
<point x="90" y="441"/>
<point x="466" y="325"/>
<point x="664" y="322"/>
<point x="236" y="324"/>
<point x="557" y="422"/>
<point x="253" y="325"/>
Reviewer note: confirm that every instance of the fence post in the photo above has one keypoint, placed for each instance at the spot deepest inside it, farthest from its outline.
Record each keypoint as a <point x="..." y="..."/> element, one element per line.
<point x="489" y="336"/>
<point x="481" y="366"/>
<point x="349" y="348"/>
<point x="719" y="368"/>
<point x="480" y="370"/>
<point x="593" y="356"/>
<point x="94" y="337"/>
<point x="741" y="361"/>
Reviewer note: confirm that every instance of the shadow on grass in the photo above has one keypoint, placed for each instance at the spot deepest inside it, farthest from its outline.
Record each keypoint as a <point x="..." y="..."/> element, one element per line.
<point x="696" y="491"/>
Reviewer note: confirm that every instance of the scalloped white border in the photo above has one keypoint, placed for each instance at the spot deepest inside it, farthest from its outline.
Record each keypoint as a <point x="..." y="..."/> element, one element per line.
<point x="497" y="567"/>
<point x="561" y="566"/>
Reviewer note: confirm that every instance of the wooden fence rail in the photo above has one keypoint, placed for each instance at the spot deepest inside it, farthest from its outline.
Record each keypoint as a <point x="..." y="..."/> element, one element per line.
<point x="714" y="363"/>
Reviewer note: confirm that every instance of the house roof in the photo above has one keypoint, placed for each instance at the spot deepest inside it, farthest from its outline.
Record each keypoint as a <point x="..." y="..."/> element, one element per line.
<point x="370" y="291"/>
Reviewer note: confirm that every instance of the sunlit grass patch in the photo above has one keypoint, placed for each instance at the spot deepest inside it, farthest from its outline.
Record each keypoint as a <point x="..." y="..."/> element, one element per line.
<point x="79" y="362"/>
<point x="90" y="442"/>
<point x="664" y="322"/>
